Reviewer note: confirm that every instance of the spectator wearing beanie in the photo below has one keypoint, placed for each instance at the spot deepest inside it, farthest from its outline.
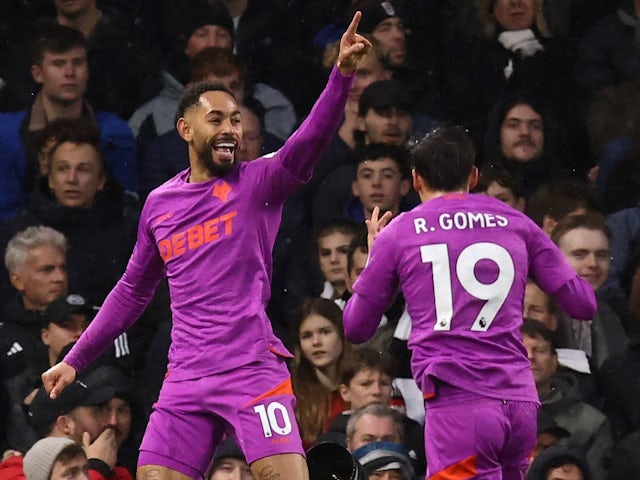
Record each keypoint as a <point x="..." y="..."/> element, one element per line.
<point x="56" y="458"/>
<point x="187" y="28"/>
<point x="380" y="457"/>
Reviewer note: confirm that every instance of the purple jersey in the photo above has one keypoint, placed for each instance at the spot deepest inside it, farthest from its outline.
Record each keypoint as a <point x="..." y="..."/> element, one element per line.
<point x="213" y="240"/>
<point x="462" y="262"/>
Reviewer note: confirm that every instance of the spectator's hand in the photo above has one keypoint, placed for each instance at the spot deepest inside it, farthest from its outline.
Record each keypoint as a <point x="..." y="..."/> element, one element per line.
<point x="103" y="448"/>
<point x="10" y="453"/>
<point x="352" y="47"/>
<point x="57" y="378"/>
<point x="376" y="224"/>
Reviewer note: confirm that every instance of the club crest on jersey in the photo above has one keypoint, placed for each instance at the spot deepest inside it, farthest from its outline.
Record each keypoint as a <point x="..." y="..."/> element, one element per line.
<point x="221" y="190"/>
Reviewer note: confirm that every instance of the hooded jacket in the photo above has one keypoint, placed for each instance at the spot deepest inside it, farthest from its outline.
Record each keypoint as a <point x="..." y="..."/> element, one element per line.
<point x="590" y="429"/>
<point x="556" y="456"/>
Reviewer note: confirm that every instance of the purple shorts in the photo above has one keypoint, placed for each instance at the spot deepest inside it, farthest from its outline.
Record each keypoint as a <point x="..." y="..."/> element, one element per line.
<point x="190" y="418"/>
<point x="472" y="436"/>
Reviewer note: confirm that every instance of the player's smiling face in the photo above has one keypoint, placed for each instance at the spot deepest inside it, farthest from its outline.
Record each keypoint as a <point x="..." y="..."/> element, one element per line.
<point x="216" y="130"/>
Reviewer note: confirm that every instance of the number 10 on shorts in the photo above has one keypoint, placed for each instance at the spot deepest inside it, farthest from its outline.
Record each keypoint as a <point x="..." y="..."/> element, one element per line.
<point x="274" y="418"/>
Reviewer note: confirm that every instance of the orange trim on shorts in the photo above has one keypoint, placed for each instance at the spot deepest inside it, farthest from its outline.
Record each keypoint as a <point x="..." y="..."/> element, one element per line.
<point x="458" y="471"/>
<point x="285" y="388"/>
<point x="428" y="396"/>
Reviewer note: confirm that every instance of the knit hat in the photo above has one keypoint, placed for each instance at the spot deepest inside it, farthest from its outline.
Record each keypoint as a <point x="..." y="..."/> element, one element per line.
<point x="182" y="18"/>
<point x="373" y="13"/>
<point x="383" y="94"/>
<point x="382" y="456"/>
<point x="40" y="458"/>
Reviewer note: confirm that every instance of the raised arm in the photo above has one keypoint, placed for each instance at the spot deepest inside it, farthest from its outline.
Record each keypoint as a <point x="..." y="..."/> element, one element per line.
<point x="375" y="286"/>
<point x="302" y="151"/>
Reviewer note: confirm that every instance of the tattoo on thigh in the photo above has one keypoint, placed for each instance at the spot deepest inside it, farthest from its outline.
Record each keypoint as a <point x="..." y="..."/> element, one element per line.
<point x="151" y="474"/>
<point x="268" y="473"/>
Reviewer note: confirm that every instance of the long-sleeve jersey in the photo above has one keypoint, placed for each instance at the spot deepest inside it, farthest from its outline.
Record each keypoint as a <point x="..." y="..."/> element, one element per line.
<point x="462" y="262"/>
<point x="213" y="240"/>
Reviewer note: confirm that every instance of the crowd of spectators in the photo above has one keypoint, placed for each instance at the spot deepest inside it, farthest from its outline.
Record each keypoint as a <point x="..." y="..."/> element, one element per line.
<point x="548" y="90"/>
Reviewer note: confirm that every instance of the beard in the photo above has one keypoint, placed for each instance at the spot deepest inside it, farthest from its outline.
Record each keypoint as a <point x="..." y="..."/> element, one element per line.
<point x="205" y="155"/>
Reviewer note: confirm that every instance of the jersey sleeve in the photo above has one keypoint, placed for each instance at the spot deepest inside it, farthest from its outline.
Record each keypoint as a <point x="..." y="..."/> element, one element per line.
<point x="304" y="148"/>
<point x="577" y="299"/>
<point x="125" y="302"/>
<point x="373" y="290"/>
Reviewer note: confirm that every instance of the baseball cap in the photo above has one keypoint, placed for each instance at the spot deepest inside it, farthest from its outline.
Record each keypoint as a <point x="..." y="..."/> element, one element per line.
<point x="39" y="460"/>
<point x="373" y="13"/>
<point x="228" y="448"/>
<point x="86" y="392"/>
<point x="382" y="456"/>
<point x="62" y="307"/>
<point x="383" y="94"/>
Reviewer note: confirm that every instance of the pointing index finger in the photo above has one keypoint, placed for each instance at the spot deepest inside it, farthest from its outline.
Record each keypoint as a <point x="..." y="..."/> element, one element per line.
<point x="353" y="26"/>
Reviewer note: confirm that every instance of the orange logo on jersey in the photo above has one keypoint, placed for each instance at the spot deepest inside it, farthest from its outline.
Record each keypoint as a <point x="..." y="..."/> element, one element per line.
<point x="221" y="190"/>
<point x="162" y="218"/>
<point x="194" y="237"/>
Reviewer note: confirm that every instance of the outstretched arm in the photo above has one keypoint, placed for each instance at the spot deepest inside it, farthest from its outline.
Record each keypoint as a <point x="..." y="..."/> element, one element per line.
<point x="302" y="151"/>
<point x="375" y="286"/>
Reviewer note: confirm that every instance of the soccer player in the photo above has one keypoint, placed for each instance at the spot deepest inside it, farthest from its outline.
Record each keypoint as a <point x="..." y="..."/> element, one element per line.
<point x="211" y="230"/>
<point x="462" y="262"/>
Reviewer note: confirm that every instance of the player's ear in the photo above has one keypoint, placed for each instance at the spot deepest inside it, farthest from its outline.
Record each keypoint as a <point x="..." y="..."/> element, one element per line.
<point x="473" y="178"/>
<point x="184" y="129"/>
<point x="416" y="180"/>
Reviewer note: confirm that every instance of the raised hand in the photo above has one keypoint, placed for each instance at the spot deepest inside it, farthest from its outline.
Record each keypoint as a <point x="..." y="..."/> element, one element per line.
<point x="376" y="224"/>
<point x="352" y="47"/>
<point x="57" y="378"/>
